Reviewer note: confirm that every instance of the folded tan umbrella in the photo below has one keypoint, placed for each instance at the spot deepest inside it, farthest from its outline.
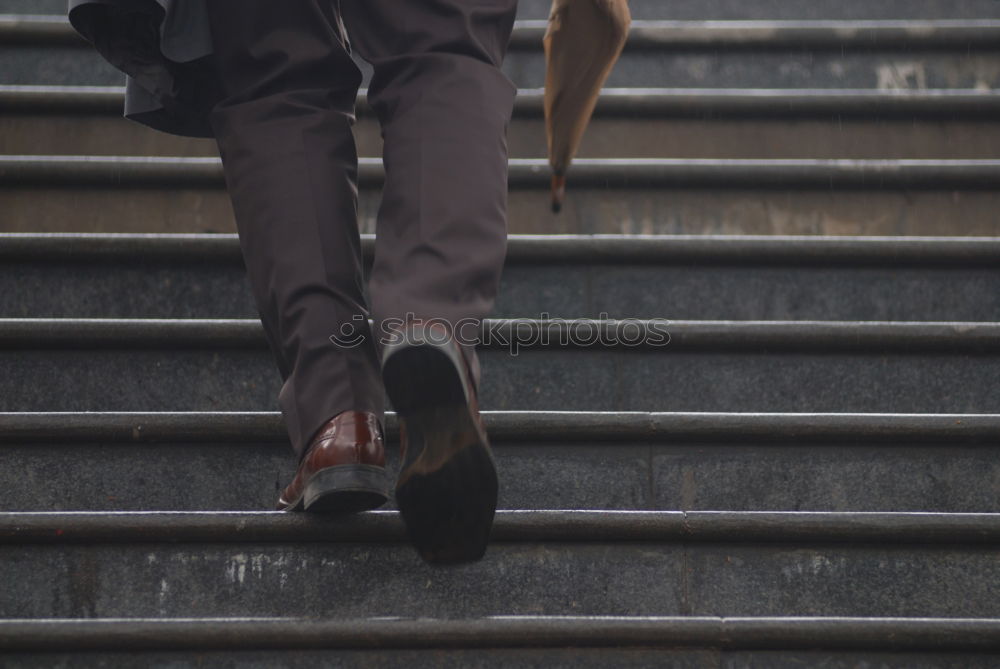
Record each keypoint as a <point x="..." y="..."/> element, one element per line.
<point x="582" y="43"/>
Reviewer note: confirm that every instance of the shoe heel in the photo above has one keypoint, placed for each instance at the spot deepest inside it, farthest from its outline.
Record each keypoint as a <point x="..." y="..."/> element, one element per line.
<point x="449" y="511"/>
<point x="447" y="489"/>
<point x="346" y="489"/>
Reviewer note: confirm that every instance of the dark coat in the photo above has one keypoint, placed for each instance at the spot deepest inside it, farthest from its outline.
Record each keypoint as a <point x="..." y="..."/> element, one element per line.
<point x="164" y="47"/>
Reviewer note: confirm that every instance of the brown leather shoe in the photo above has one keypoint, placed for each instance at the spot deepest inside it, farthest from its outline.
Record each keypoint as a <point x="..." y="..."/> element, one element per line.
<point x="343" y="470"/>
<point x="447" y="487"/>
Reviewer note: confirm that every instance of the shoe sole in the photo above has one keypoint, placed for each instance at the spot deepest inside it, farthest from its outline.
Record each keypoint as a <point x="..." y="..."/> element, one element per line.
<point x="344" y="489"/>
<point x="447" y="487"/>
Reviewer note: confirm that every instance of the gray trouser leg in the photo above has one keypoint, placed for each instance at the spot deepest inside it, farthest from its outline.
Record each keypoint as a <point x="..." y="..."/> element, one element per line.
<point x="444" y="105"/>
<point x="284" y="132"/>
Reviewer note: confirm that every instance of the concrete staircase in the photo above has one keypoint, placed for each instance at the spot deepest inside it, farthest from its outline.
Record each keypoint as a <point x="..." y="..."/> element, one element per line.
<point x="803" y="472"/>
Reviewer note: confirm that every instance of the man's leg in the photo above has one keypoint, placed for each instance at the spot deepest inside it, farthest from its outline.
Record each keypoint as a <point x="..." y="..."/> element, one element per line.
<point x="284" y="132"/>
<point x="444" y="106"/>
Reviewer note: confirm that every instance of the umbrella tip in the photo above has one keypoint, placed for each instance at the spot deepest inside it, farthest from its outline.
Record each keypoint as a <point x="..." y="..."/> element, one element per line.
<point x="558" y="192"/>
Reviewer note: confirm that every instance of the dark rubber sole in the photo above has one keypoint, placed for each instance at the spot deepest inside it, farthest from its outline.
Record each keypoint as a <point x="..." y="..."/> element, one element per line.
<point x="447" y="487"/>
<point x="344" y="489"/>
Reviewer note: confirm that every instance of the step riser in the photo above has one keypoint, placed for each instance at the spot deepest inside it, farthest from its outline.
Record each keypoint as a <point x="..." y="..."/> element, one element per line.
<point x="699" y="10"/>
<point x="633" y="138"/>
<point x="302" y="659"/>
<point x="506" y="633"/>
<point x="144" y="289"/>
<point x="855" y="476"/>
<point x="708" y="67"/>
<point x="583" y="658"/>
<point x="500" y="658"/>
<point x="587" y="211"/>
<point x="589" y="379"/>
<point x="796" y="68"/>
<point x="547" y="578"/>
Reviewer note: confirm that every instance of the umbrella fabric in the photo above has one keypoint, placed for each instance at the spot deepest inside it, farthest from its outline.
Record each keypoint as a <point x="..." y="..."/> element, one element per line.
<point x="582" y="43"/>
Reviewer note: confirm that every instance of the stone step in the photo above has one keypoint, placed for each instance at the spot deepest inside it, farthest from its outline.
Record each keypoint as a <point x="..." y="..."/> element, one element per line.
<point x="735" y="278"/>
<point x="699" y="642"/>
<point x="705" y="9"/>
<point x="810" y="366"/>
<point x="956" y="53"/>
<point x="680" y="123"/>
<point x="698" y="563"/>
<point x="887" y="54"/>
<point x="549" y="460"/>
<point x="872" y="197"/>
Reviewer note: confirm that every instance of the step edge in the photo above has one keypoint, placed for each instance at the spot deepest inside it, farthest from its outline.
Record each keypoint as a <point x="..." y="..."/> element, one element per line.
<point x="730" y="633"/>
<point x="119" y="172"/>
<point x="742" y="250"/>
<point x="510" y="526"/>
<point x="530" y="427"/>
<point x="516" y="335"/>
<point x="616" y="102"/>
